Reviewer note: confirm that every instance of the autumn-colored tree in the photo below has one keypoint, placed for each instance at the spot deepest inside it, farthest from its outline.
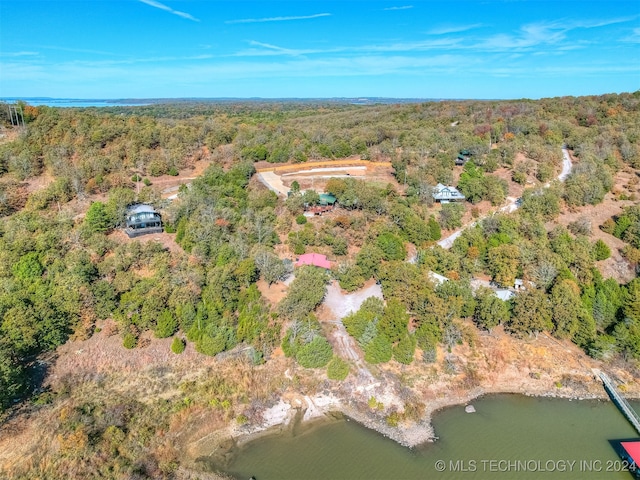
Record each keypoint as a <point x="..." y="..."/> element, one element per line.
<point x="503" y="262"/>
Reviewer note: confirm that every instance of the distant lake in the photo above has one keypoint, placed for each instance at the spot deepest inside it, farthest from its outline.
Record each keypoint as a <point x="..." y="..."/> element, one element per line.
<point x="510" y="437"/>
<point x="72" y="102"/>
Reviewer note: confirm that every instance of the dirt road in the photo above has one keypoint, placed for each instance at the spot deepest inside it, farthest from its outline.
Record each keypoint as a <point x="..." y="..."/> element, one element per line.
<point x="341" y="305"/>
<point x="512" y="203"/>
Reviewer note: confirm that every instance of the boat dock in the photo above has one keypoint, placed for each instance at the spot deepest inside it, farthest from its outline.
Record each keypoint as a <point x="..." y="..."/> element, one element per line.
<point x="619" y="400"/>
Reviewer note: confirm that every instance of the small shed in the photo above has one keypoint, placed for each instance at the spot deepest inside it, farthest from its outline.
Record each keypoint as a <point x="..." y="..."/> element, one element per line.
<point x="142" y="219"/>
<point x="463" y="157"/>
<point x="327" y="199"/>
<point x="314" y="259"/>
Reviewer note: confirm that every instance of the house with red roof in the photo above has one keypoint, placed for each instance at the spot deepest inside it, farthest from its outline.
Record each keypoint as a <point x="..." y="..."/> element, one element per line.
<point x="315" y="259"/>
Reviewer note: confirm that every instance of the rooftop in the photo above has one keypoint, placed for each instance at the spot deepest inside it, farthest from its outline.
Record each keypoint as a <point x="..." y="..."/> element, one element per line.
<point x="444" y="192"/>
<point x="315" y="259"/>
<point x="327" y="199"/>
<point x="633" y="449"/>
<point x="140" y="208"/>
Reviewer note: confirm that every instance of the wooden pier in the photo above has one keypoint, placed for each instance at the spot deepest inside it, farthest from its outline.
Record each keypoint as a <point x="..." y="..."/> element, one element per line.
<point x="619" y="400"/>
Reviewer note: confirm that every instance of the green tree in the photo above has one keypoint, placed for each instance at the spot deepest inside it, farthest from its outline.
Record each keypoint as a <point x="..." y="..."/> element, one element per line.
<point x="12" y="379"/>
<point x="394" y="321"/>
<point x="350" y="277"/>
<point x="368" y="259"/>
<point x="490" y="310"/>
<point x="212" y="343"/>
<point x="566" y="308"/>
<point x="379" y="350"/>
<point x="451" y="215"/>
<point x="391" y="246"/>
<point x="631" y="306"/>
<point x="97" y="219"/>
<point x="471" y="183"/>
<point x="503" y="262"/>
<point x="28" y="267"/>
<point x="315" y="354"/>
<point x="434" y="229"/>
<point x="167" y="324"/>
<point x="305" y="292"/>
<point x="531" y="312"/>
<point x="404" y="351"/>
<point x="370" y="312"/>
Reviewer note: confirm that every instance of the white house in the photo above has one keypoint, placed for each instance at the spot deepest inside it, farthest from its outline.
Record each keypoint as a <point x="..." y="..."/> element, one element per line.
<point x="443" y="194"/>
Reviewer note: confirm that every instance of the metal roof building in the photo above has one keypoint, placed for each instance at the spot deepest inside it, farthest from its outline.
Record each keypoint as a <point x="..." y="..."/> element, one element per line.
<point x="142" y="219"/>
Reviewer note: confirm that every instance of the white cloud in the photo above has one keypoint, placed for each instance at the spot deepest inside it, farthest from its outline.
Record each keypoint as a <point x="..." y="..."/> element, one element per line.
<point x="77" y="50"/>
<point x="544" y="33"/>
<point x="162" y="6"/>
<point x="267" y="49"/>
<point x="405" y="7"/>
<point x="443" y="30"/>
<point x="634" y="37"/>
<point x="18" y="54"/>
<point x="277" y="19"/>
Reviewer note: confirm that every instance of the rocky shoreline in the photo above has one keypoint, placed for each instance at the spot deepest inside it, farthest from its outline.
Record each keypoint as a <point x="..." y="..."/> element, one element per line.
<point x="284" y="417"/>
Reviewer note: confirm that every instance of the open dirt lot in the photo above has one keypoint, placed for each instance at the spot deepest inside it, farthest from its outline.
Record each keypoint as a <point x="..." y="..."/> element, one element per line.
<point x="316" y="174"/>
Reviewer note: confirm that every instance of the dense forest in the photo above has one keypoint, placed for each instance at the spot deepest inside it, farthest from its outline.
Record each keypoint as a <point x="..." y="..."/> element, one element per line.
<point x="62" y="272"/>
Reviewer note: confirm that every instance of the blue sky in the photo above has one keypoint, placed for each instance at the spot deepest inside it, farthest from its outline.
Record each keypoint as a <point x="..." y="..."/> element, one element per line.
<point x="275" y="49"/>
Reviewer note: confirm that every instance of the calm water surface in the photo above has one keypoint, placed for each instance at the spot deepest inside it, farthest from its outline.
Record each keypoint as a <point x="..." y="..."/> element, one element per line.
<point x="510" y="437"/>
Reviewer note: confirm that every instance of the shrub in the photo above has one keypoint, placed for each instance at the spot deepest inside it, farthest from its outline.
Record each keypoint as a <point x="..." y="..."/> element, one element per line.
<point x="173" y="171"/>
<point x="601" y="251"/>
<point x="136" y="178"/>
<point x="178" y="345"/>
<point x="337" y="369"/>
<point x="519" y="177"/>
<point x="301" y="219"/>
<point x="211" y="345"/>
<point x="582" y="226"/>
<point x="429" y="355"/>
<point x="608" y="226"/>
<point x="129" y="341"/>
<point x="147" y="182"/>
<point x="393" y="418"/>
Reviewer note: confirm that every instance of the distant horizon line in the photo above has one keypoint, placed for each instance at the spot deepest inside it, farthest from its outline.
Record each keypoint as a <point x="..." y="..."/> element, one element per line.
<point x="141" y="101"/>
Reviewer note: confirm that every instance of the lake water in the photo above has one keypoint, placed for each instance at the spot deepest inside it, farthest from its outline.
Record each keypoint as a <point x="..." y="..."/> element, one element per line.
<point x="71" y="102"/>
<point x="509" y="437"/>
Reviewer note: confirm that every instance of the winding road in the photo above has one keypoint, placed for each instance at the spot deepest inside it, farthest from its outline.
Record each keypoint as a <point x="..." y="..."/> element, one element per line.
<point x="512" y="204"/>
